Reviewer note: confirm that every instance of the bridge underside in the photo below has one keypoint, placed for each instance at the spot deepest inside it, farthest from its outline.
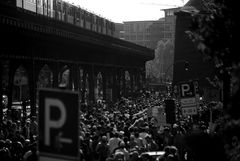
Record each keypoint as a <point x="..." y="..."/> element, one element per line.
<point x="38" y="52"/>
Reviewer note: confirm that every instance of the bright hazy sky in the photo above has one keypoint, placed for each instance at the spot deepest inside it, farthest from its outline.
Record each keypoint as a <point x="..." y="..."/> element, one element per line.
<point x="128" y="10"/>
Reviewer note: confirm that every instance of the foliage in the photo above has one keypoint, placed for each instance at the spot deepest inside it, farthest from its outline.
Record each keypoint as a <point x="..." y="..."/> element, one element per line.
<point x="156" y="68"/>
<point x="214" y="31"/>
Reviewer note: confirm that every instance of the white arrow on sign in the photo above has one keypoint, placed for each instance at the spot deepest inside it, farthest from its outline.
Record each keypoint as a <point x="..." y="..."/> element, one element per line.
<point x="60" y="140"/>
<point x="64" y="140"/>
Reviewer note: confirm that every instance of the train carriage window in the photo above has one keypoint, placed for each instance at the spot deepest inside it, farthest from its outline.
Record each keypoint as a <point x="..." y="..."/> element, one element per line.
<point x="78" y="14"/>
<point x="64" y="7"/>
<point x="82" y="14"/>
<point x="70" y="11"/>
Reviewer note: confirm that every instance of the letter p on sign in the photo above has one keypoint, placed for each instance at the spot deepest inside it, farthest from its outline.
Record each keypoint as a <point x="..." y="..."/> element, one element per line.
<point x="184" y="89"/>
<point x="49" y="103"/>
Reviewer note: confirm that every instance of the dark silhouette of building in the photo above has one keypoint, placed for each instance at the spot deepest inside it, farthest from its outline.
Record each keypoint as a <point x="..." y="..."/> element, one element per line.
<point x="185" y="50"/>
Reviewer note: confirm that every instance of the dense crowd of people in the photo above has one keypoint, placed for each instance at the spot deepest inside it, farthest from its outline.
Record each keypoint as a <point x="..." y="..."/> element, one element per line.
<point x="18" y="140"/>
<point x="115" y="131"/>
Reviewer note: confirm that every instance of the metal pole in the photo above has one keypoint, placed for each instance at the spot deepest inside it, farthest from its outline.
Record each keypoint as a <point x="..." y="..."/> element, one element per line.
<point x="43" y="2"/>
<point x="36" y="5"/>
<point x="1" y="93"/>
<point x="211" y="119"/>
<point x="47" y="8"/>
<point x="20" y="92"/>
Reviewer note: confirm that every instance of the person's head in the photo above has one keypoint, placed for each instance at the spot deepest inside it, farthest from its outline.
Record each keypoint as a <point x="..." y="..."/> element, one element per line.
<point x="173" y="150"/>
<point x="33" y="147"/>
<point x="134" y="156"/>
<point x="121" y="134"/>
<point x="18" y="123"/>
<point x="18" y="146"/>
<point x="104" y="139"/>
<point x="119" y="156"/>
<point x="136" y="134"/>
<point x="27" y="142"/>
<point x="2" y="144"/>
<point x="145" y="157"/>
<point x="34" y="118"/>
<point x="87" y="136"/>
<point x="14" y="126"/>
<point x="166" y="130"/>
<point x="8" y="143"/>
<point x="110" y="159"/>
<point x="167" y="150"/>
<point x="4" y="153"/>
<point x="131" y="138"/>
<point x="28" y="123"/>
<point x="122" y="144"/>
<point x="9" y="123"/>
<point x="148" y="138"/>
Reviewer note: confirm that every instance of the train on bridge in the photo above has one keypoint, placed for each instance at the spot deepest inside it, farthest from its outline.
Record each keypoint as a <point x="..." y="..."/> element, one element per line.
<point x="69" y="13"/>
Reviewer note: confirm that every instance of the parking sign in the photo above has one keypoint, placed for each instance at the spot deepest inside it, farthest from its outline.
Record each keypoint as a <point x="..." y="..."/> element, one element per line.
<point x="187" y="90"/>
<point x="58" y="125"/>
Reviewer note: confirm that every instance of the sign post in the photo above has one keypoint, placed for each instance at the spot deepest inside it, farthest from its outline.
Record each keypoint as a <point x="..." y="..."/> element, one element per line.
<point x="188" y="99"/>
<point x="58" y="125"/>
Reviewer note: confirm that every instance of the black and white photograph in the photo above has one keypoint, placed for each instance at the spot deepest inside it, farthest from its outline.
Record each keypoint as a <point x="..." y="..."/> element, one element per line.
<point x="119" y="80"/>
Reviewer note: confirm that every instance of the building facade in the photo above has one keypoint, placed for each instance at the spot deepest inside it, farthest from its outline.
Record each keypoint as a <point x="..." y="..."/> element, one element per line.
<point x="169" y="24"/>
<point x="158" y="35"/>
<point x="138" y="32"/>
<point x="162" y="39"/>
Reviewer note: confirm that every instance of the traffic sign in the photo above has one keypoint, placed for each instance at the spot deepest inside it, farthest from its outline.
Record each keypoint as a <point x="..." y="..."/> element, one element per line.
<point x="189" y="106"/>
<point x="188" y="102"/>
<point x="187" y="90"/>
<point x="189" y="111"/>
<point x="58" y="125"/>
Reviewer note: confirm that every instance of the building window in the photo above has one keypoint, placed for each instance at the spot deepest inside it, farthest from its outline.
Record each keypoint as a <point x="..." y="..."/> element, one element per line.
<point x="167" y="27"/>
<point x="169" y="13"/>
<point x="168" y="35"/>
<point x="133" y="37"/>
<point x="140" y="37"/>
<point x="127" y="37"/>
